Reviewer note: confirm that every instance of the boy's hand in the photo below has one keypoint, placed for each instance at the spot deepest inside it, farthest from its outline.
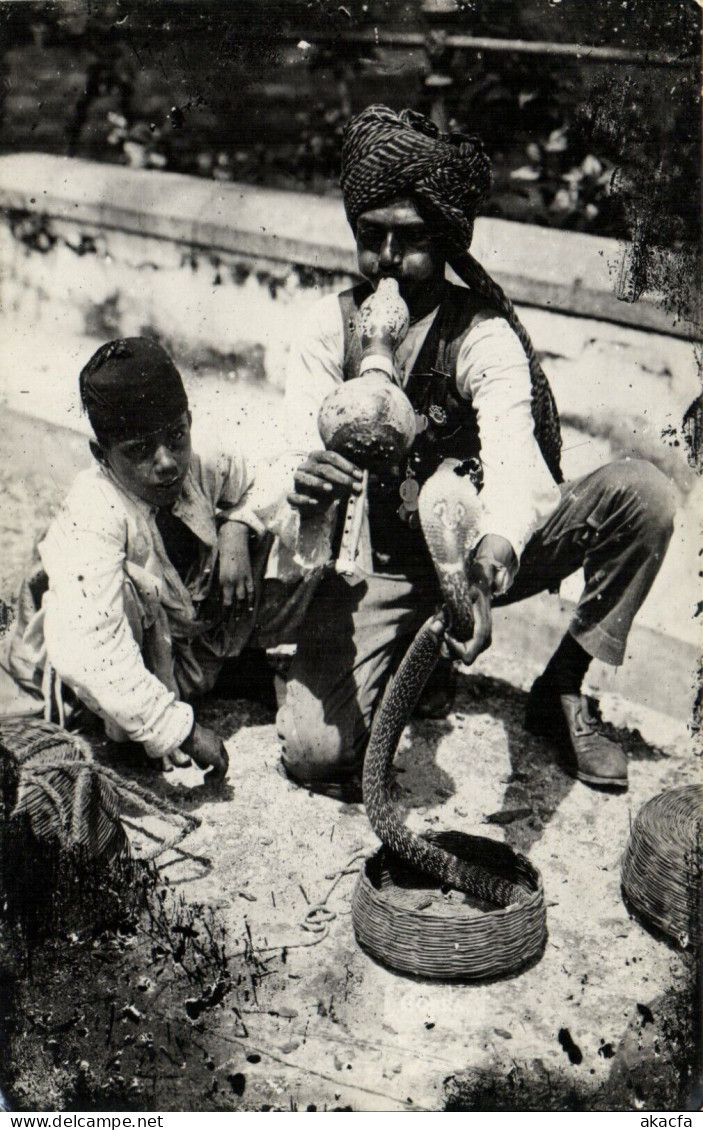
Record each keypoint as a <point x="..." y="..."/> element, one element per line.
<point x="236" y="578"/>
<point x="175" y="760"/>
<point x="323" y="477"/>
<point x="207" y="750"/>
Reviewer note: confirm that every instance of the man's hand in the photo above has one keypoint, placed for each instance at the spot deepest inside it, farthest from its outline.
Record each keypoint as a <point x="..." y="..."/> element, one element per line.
<point x="323" y="477"/>
<point x="207" y="750"/>
<point x="490" y="570"/>
<point x="236" y="578"/>
<point x="480" y="578"/>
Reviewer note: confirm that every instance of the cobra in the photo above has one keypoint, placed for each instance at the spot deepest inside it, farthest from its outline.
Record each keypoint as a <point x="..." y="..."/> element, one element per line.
<point x="449" y="512"/>
<point x="371" y="422"/>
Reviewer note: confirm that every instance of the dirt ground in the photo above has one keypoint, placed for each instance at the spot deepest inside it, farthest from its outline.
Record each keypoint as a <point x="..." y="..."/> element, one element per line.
<point x="329" y="1028"/>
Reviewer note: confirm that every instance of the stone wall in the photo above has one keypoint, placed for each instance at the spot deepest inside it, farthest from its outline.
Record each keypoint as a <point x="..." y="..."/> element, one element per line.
<point x="224" y="272"/>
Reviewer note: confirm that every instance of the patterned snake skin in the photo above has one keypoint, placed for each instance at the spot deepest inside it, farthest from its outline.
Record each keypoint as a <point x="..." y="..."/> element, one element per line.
<point x="449" y="523"/>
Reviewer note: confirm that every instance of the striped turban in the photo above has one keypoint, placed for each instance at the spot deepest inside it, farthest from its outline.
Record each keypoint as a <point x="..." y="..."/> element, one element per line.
<point x="388" y="156"/>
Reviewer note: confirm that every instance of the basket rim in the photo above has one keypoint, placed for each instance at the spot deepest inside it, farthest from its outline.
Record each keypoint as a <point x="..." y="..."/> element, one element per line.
<point x="535" y="895"/>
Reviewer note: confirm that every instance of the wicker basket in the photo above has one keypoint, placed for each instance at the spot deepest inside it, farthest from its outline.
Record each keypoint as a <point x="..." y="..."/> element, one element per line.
<point x="406" y="922"/>
<point x="661" y="868"/>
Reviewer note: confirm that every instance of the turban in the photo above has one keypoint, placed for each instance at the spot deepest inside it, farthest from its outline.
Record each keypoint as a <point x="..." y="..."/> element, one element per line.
<point x="388" y="156"/>
<point x="130" y="388"/>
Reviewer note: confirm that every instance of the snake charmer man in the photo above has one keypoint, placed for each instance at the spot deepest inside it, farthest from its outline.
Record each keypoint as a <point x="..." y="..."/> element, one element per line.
<point x="468" y="366"/>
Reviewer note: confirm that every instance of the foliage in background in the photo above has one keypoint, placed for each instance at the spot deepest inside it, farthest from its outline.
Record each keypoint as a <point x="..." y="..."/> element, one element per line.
<point x="259" y="92"/>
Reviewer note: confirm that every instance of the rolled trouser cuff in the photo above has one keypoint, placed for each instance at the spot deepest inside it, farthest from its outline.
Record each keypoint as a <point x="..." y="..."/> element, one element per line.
<point x="598" y="643"/>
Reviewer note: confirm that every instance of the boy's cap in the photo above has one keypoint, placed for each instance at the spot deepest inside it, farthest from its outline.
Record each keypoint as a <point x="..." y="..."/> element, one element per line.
<point x="131" y="387"/>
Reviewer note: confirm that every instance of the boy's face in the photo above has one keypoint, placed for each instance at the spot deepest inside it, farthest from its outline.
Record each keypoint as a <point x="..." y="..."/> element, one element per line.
<point x="395" y="242"/>
<point x="153" y="467"/>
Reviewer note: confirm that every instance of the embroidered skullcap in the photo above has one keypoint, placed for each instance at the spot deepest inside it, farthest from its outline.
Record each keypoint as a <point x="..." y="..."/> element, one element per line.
<point x="387" y="156"/>
<point x="131" y="387"/>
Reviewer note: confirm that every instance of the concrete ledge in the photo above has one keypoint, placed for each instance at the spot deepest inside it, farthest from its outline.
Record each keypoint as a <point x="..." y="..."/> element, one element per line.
<point x="660" y="672"/>
<point x="289" y="227"/>
<point x="222" y="274"/>
<point x="564" y="271"/>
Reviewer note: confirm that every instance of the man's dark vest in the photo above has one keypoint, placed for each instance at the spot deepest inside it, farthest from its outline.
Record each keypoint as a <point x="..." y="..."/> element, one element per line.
<point x="452" y="426"/>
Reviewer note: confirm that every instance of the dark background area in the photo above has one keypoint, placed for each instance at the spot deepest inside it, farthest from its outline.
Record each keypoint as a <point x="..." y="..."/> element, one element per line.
<point x="259" y="90"/>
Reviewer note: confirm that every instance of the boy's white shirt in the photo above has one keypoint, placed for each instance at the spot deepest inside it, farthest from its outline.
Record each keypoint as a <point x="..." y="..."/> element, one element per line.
<point x="492" y="370"/>
<point x="101" y="533"/>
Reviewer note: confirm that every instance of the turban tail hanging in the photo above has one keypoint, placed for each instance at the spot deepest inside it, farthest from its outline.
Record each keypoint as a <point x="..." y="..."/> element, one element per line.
<point x="389" y="156"/>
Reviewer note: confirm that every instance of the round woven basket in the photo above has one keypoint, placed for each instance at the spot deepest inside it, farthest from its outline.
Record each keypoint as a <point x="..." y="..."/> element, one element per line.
<point x="661" y="867"/>
<point x="408" y="923"/>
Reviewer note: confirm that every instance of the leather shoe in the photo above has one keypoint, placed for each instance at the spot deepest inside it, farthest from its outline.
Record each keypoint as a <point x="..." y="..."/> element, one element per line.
<point x="566" y="720"/>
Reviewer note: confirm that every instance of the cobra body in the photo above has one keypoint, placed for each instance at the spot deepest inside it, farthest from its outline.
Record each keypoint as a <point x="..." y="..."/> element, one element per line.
<point x="448" y="514"/>
<point x="371" y="421"/>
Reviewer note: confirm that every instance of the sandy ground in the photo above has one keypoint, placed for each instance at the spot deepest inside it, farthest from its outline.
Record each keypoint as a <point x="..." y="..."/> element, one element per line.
<point x="331" y="1028"/>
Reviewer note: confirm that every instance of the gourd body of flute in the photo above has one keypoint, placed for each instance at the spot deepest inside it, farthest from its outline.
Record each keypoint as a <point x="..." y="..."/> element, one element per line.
<point x="369" y="419"/>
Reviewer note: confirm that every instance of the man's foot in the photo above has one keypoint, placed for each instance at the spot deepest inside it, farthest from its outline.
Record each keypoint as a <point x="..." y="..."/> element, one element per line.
<point x="437" y="698"/>
<point x="567" y="721"/>
<point x="179" y="760"/>
<point x="175" y="760"/>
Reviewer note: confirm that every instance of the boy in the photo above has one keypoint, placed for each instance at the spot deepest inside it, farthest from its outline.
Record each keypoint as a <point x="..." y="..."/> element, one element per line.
<point x="149" y="583"/>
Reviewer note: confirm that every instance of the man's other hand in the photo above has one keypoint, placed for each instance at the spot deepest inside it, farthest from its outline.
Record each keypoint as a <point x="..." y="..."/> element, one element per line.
<point x="322" y="478"/>
<point x="480" y="580"/>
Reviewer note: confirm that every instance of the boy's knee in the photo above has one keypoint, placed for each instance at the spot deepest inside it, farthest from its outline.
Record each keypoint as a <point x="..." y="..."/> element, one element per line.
<point x="314" y="750"/>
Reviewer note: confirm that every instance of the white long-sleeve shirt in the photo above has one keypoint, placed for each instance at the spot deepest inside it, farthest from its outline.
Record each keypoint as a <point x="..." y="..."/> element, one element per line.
<point x="492" y="371"/>
<point x="102" y="536"/>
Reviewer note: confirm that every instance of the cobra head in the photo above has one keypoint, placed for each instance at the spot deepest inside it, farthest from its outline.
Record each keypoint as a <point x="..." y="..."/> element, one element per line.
<point x="450" y="513"/>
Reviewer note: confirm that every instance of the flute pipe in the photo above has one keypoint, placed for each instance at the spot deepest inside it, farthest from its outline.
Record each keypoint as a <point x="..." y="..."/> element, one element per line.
<point x="353" y="521"/>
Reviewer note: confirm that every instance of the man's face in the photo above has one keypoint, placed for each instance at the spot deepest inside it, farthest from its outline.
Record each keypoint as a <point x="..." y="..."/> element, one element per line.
<point x="153" y="467"/>
<point x="395" y="242"/>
